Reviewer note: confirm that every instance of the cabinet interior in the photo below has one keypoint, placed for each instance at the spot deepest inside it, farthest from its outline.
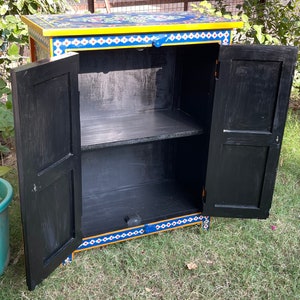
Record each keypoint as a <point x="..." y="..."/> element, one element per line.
<point x="145" y="120"/>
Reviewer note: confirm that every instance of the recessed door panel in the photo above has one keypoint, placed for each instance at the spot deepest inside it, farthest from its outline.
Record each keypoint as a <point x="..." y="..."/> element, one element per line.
<point x="251" y="103"/>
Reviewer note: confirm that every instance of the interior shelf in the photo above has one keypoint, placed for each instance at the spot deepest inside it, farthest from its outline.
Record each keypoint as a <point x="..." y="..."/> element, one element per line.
<point x="105" y="212"/>
<point x="105" y="131"/>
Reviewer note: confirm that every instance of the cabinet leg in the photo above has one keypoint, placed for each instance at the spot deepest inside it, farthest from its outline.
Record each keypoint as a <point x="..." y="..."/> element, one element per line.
<point x="68" y="260"/>
<point x="206" y="222"/>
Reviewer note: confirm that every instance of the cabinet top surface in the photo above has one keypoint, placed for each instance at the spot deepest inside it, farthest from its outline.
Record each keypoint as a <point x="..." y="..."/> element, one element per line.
<point x="87" y="24"/>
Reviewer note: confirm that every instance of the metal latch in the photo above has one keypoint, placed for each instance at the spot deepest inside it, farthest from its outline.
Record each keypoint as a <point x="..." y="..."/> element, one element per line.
<point x="160" y="40"/>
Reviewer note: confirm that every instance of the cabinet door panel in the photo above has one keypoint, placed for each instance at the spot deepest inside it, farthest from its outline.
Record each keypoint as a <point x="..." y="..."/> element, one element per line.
<point x="250" y="105"/>
<point x="46" y="110"/>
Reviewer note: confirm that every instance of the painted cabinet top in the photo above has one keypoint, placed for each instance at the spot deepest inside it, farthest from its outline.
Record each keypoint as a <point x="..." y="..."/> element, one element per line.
<point x="119" y="23"/>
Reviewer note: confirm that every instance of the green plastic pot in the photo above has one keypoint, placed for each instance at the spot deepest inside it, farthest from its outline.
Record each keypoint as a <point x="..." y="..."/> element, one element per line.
<point x="6" y="194"/>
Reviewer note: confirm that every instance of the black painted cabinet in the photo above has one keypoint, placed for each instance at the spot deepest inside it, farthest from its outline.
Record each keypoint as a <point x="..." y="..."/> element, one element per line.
<point x="154" y="134"/>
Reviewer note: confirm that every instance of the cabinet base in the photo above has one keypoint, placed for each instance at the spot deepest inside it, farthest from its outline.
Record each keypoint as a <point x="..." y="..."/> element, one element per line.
<point x="139" y="231"/>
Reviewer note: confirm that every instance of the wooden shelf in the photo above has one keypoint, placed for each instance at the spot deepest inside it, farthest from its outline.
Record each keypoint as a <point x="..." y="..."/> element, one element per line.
<point x="107" y="211"/>
<point x="107" y="131"/>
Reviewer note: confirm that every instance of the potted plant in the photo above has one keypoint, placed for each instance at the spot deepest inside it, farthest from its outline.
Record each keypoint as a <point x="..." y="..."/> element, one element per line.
<point x="6" y="194"/>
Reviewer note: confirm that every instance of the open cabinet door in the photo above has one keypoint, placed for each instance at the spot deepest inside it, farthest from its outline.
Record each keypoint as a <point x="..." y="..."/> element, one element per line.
<point x="47" y="126"/>
<point x="250" y="105"/>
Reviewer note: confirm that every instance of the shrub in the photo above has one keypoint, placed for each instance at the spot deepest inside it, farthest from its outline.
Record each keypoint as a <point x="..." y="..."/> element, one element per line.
<point x="275" y="22"/>
<point x="13" y="43"/>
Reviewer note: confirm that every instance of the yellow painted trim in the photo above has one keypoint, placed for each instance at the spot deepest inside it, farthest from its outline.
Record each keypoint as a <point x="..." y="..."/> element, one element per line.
<point x="51" y="47"/>
<point x="32" y="25"/>
<point x="133" y="29"/>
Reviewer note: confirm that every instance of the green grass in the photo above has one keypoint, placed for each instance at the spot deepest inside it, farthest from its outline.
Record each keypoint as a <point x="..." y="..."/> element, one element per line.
<point x="235" y="259"/>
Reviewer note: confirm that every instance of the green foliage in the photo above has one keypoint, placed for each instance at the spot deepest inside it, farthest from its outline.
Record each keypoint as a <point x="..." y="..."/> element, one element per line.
<point x="6" y="127"/>
<point x="4" y="170"/>
<point x="275" y="19"/>
<point x="272" y="22"/>
<point x="6" y="121"/>
<point x="13" y="32"/>
<point x="13" y="43"/>
<point x="31" y="7"/>
<point x="296" y="83"/>
<point x="219" y="10"/>
<point x="13" y="38"/>
<point x="265" y="22"/>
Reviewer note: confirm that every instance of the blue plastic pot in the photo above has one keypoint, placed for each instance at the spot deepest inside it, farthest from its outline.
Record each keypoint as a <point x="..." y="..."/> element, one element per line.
<point x="6" y="194"/>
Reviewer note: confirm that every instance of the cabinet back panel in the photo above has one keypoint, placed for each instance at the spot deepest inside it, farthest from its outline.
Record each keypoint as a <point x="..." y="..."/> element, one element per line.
<point x="191" y="163"/>
<point x="154" y="180"/>
<point x="147" y="203"/>
<point x="121" y="167"/>
<point x="196" y="66"/>
<point x="126" y="81"/>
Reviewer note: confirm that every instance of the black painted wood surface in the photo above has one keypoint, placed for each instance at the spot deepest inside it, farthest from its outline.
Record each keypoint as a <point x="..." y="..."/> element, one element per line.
<point x="126" y="81"/>
<point x="106" y="212"/>
<point x="101" y="131"/>
<point x="46" y="110"/>
<point x="250" y="106"/>
<point x="147" y="179"/>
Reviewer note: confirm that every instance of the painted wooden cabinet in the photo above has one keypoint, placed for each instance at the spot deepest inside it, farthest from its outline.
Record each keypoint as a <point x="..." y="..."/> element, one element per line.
<point x="155" y="123"/>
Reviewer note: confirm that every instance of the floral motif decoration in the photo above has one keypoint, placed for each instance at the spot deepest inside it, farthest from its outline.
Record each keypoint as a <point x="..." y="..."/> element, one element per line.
<point x="139" y="231"/>
<point x="122" y="19"/>
<point x="63" y="44"/>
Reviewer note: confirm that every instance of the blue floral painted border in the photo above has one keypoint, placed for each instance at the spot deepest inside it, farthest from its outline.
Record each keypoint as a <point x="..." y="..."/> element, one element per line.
<point x="62" y="45"/>
<point x="140" y="231"/>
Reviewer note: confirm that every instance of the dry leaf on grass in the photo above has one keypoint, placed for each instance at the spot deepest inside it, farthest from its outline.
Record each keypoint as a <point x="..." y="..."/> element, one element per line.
<point x="192" y="266"/>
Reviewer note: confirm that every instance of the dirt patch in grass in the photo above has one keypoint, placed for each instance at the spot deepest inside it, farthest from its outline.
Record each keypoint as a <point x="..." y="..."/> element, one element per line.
<point x="295" y="104"/>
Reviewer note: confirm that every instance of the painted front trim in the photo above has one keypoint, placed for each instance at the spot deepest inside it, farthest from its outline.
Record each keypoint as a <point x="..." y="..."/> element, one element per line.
<point x="102" y="24"/>
<point x="140" y="231"/>
<point x="62" y="45"/>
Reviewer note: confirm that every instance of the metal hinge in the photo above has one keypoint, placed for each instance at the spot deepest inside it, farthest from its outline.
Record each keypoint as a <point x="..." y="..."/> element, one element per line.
<point x="203" y="195"/>
<point x="217" y="69"/>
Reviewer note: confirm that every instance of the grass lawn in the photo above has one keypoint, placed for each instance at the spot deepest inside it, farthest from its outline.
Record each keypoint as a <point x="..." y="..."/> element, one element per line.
<point x="235" y="259"/>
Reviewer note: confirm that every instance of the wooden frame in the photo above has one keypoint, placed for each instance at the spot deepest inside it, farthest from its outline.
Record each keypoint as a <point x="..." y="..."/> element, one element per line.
<point x="107" y="4"/>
